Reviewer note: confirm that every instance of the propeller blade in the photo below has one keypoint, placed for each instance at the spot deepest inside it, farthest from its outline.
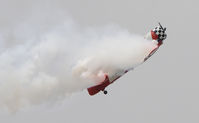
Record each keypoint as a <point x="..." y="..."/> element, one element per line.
<point x="161" y="26"/>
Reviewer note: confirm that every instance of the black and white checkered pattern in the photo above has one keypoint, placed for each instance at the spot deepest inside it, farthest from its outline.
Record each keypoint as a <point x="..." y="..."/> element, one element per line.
<point x="160" y="33"/>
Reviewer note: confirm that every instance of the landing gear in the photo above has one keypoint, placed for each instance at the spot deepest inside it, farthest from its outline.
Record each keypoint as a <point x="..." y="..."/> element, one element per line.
<point x="105" y="92"/>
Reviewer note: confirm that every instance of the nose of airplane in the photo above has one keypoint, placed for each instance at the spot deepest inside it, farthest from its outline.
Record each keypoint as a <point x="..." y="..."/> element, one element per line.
<point x="159" y="33"/>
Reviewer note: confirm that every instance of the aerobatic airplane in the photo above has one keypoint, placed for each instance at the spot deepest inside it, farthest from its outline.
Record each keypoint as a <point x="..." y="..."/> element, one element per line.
<point x="156" y="35"/>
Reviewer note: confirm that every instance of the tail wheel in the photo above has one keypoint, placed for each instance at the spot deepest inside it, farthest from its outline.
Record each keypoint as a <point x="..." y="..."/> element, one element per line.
<point x="105" y="92"/>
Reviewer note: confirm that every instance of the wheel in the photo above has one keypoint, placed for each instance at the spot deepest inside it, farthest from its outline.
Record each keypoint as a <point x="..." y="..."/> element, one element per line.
<point x="105" y="92"/>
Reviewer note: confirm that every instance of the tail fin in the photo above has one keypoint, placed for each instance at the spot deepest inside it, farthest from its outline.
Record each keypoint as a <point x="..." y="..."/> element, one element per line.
<point x="93" y="90"/>
<point x="96" y="89"/>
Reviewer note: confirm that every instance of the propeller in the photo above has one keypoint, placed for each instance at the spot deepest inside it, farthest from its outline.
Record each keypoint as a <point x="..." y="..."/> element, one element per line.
<point x="162" y="27"/>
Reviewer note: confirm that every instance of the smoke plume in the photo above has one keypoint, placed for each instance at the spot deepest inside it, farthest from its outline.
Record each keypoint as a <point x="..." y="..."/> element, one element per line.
<point x="43" y="61"/>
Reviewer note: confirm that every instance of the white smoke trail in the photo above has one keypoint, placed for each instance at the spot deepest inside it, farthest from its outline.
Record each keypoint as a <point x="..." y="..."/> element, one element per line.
<point x="62" y="61"/>
<point x="43" y="62"/>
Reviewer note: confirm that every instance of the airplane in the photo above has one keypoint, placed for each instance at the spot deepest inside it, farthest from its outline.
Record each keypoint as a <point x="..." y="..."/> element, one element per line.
<point x="156" y="35"/>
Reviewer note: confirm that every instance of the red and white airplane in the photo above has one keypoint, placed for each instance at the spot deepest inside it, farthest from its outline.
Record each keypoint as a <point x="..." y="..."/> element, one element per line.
<point x="157" y="35"/>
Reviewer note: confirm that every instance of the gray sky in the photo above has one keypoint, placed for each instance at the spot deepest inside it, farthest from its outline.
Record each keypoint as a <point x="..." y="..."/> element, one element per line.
<point x="172" y="97"/>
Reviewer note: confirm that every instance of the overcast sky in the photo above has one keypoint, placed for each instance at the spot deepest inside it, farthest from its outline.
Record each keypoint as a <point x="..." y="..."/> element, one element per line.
<point x="172" y="97"/>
